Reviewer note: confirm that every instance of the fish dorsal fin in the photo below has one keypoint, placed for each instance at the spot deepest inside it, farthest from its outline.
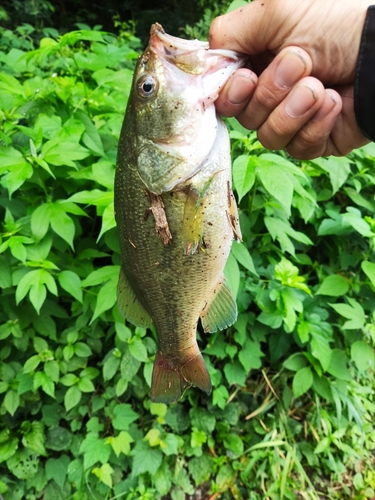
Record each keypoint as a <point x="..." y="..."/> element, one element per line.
<point x="129" y="305"/>
<point x="221" y="312"/>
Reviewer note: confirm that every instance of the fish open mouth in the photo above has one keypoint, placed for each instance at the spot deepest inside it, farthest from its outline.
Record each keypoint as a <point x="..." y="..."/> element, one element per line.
<point x="194" y="56"/>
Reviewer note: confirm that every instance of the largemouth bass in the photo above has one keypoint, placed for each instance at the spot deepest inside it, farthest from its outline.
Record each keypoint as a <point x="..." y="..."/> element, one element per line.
<point x="174" y="206"/>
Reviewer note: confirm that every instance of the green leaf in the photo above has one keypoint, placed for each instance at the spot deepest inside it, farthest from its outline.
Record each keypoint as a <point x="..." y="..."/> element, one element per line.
<point x="169" y="445"/>
<point x="369" y="269"/>
<point x="110" y="367"/>
<point x="72" y="397"/>
<point x="337" y="168"/>
<point x="94" y="450"/>
<point x="71" y="283"/>
<point x="146" y="459"/>
<point x="108" y="220"/>
<point x="302" y="381"/>
<point x="85" y="385"/>
<point x="334" y="285"/>
<point x="162" y="479"/>
<point x="359" y="199"/>
<point x="232" y="274"/>
<point x="8" y="446"/>
<point x="363" y="356"/>
<point x="354" y="218"/>
<point x="57" y="152"/>
<point x="234" y="443"/>
<point x="121" y="443"/>
<point x="201" y="468"/>
<point x="31" y="364"/>
<point x="57" y="469"/>
<point x="35" y="282"/>
<point x="242" y="255"/>
<point x="321" y="350"/>
<point x="250" y="355"/>
<point x="129" y="366"/>
<point x="52" y="370"/>
<point x="338" y="365"/>
<point x="353" y="311"/>
<point x="62" y="223"/>
<point x="23" y="464"/>
<point x="124" y="416"/>
<point x="138" y="349"/>
<point x="295" y="362"/>
<point x="94" y="197"/>
<point x="243" y="174"/>
<point x="102" y="275"/>
<point x="106" y="299"/>
<point x="34" y="438"/>
<point x="235" y="374"/>
<point x="281" y="230"/>
<point x="277" y="182"/>
<point x="198" y="438"/>
<point x="58" y="438"/>
<point x="5" y="273"/>
<point x="83" y="350"/>
<point x="104" y="474"/>
<point x="220" y="396"/>
<point x="11" y="401"/>
<point x="69" y="379"/>
<point x="91" y="137"/>
<point x="40" y="219"/>
<point x="41" y="379"/>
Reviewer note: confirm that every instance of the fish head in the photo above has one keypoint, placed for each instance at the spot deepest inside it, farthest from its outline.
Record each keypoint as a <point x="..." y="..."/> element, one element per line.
<point x="175" y="85"/>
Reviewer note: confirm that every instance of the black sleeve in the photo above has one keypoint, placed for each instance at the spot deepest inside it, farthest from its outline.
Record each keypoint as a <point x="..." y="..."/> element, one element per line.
<point x="364" y="85"/>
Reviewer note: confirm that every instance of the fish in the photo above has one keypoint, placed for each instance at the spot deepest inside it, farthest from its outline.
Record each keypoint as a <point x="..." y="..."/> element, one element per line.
<point x="175" y="210"/>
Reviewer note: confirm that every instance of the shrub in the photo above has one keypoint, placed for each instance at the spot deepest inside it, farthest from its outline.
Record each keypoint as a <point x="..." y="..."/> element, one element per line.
<point x="293" y="401"/>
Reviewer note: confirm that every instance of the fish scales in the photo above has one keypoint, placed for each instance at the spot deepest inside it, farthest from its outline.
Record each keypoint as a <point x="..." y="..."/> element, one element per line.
<point x="175" y="240"/>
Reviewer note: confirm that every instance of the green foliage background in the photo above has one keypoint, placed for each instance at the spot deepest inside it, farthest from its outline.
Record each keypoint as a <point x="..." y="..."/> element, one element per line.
<point x="292" y="410"/>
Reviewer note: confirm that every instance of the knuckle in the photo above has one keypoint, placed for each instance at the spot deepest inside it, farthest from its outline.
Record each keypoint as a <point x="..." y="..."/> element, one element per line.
<point x="266" y="97"/>
<point x="306" y="145"/>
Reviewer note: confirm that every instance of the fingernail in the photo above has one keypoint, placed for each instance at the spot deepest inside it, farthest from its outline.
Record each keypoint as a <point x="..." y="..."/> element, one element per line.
<point x="240" y="89"/>
<point x="325" y="109"/>
<point x="290" y="69"/>
<point x="299" y="101"/>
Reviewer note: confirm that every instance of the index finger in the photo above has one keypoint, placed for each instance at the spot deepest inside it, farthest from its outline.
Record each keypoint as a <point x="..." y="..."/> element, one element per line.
<point x="243" y="30"/>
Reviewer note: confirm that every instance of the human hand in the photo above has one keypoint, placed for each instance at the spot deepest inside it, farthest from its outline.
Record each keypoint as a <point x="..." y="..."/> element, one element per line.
<point x="293" y="59"/>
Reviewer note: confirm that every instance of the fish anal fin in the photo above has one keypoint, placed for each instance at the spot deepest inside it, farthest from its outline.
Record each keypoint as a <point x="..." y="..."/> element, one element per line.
<point x="221" y="312"/>
<point x="170" y="378"/>
<point x="129" y="305"/>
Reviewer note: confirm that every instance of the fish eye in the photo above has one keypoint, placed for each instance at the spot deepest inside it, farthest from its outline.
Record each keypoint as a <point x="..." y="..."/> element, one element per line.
<point x="146" y="86"/>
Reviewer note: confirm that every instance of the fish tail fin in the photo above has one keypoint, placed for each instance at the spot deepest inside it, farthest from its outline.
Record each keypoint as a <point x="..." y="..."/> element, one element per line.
<point x="170" y="379"/>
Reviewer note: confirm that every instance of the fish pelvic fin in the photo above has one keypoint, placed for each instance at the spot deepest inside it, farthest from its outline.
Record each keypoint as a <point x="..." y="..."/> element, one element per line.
<point x="170" y="379"/>
<point x="129" y="305"/>
<point x="221" y="312"/>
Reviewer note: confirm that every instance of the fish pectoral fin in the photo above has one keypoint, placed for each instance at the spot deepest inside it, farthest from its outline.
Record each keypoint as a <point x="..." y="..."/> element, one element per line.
<point x="232" y="215"/>
<point x="192" y="224"/>
<point x="129" y="305"/>
<point x="170" y="379"/>
<point x="221" y="312"/>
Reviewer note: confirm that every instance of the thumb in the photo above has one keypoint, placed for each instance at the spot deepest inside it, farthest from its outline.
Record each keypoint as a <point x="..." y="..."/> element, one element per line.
<point x="246" y="29"/>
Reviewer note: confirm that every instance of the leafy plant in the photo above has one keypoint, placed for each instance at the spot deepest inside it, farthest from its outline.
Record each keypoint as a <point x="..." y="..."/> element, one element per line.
<point x="292" y="408"/>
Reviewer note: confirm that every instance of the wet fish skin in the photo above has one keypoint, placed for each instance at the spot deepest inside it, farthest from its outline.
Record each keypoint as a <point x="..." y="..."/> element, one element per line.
<point x="176" y="219"/>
